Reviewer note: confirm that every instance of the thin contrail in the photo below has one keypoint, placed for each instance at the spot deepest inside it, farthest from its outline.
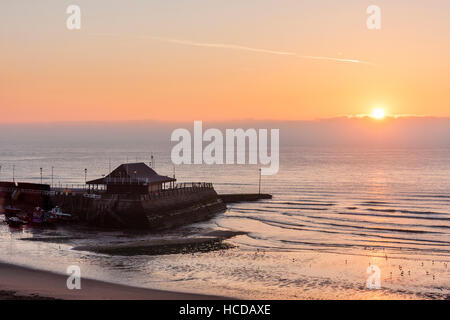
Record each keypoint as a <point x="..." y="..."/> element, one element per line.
<point x="219" y="45"/>
<point x="242" y="48"/>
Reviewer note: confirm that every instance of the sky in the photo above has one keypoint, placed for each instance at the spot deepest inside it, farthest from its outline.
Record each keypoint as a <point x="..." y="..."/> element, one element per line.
<point x="222" y="60"/>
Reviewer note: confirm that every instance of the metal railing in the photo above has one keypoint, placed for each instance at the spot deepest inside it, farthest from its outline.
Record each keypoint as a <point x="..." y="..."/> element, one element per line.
<point x="130" y="180"/>
<point x="193" y="185"/>
<point x="177" y="189"/>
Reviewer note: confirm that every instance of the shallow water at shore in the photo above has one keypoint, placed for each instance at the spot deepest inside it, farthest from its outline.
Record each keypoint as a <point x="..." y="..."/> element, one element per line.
<point x="334" y="213"/>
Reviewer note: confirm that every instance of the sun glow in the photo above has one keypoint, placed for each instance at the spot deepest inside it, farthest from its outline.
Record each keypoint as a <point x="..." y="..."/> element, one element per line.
<point x="378" y="113"/>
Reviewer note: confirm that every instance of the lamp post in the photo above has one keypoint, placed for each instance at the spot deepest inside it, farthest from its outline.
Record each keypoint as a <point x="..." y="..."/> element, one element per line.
<point x="41" y="174"/>
<point x="14" y="173"/>
<point x="259" y="187"/>
<point x="85" y="177"/>
<point x="52" y="178"/>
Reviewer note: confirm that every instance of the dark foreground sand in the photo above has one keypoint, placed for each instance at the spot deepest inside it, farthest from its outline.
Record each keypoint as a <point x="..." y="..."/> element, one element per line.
<point x="22" y="283"/>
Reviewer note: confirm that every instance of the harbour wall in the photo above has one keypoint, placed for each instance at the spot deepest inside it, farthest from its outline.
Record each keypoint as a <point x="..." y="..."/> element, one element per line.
<point x="244" y="197"/>
<point x="155" y="211"/>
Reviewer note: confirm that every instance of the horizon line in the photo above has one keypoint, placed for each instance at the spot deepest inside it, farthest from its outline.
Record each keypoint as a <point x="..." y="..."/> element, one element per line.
<point x="338" y="117"/>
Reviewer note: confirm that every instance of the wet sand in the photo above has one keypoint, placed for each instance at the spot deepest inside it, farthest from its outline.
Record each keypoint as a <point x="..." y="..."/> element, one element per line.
<point x="20" y="283"/>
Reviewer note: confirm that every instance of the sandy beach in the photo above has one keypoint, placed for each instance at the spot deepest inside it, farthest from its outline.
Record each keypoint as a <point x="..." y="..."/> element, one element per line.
<point x="18" y="282"/>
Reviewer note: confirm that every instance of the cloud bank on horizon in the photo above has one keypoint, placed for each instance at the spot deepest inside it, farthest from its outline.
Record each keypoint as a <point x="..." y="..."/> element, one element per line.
<point x="407" y="132"/>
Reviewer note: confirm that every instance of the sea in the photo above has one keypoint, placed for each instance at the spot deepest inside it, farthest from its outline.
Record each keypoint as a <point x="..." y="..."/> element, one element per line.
<point x="337" y="214"/>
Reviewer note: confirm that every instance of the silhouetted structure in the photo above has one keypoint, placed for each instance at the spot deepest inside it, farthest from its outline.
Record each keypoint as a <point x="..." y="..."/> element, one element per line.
<point x="134" y="178"/>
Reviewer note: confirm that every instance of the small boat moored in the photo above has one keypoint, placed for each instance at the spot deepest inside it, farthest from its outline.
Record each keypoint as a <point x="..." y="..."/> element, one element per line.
<point x="14" y="221"/>
<point x="36" y="217"/>
<point x="56" y="215"/>
<point x="12" y="211"/>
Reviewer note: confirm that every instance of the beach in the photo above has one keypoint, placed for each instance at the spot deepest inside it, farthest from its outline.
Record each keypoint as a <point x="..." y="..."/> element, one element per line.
<point x="17" y="282"/>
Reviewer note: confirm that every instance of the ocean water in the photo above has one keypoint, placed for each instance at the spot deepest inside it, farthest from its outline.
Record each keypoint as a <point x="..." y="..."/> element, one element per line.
<point x="335" y="212"/>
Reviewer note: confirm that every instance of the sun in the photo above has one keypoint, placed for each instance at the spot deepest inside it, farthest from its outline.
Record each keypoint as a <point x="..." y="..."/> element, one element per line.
<point x="378" y="113"/>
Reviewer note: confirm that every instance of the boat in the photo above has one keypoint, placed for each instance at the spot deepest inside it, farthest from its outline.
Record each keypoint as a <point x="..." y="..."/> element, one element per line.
<point x="12" y="211"/>
<point x="15" y="221"/>
<point x="56" y="215"/>
<point x="36" y="217"/>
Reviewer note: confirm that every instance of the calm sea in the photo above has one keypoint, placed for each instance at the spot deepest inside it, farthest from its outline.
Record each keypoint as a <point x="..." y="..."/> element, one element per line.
<point x="335" y="212"/>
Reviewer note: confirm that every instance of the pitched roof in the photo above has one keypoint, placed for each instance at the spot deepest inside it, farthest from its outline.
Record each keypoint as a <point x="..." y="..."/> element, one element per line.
<point x="132" y="173"/>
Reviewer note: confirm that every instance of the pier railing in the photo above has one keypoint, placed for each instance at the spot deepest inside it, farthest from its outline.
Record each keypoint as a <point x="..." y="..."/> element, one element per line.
<point x="177" y="189"/>
<point x="129" y="181"/>
<point x="193" y="185"/>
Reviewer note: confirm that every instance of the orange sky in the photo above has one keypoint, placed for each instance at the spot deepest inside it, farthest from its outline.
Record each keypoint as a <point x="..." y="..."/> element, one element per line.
<point x="124" y="63"/>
